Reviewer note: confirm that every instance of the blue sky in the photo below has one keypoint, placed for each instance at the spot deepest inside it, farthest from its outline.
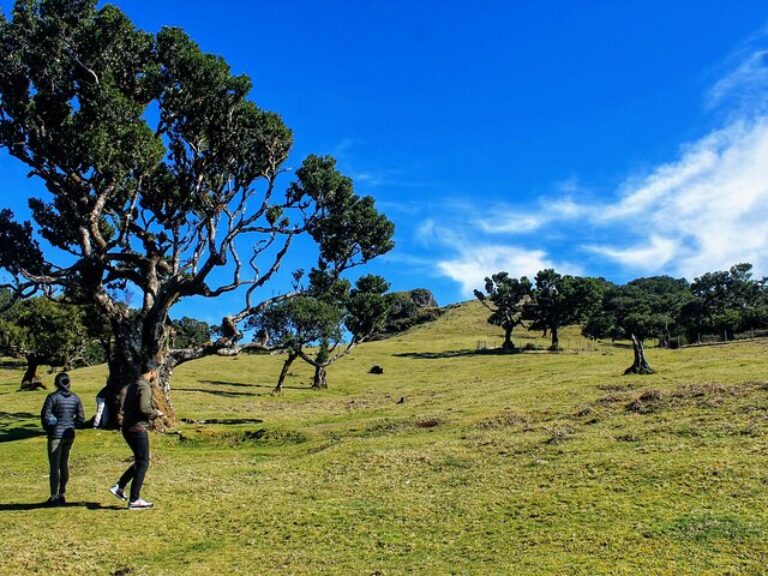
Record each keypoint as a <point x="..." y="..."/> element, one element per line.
<point x="619" y="139"/>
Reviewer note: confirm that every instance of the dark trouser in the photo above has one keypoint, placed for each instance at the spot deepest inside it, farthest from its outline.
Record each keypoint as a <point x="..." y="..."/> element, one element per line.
<point x="138" y="440"/>
<point x="58" y="460"/>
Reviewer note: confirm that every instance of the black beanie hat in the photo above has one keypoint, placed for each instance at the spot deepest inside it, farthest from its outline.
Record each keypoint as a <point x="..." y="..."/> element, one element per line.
<point x="149" y="365"/>
<point x="62" y="381"/>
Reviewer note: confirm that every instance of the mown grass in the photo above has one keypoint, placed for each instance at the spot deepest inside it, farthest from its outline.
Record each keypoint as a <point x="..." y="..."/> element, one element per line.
<point x="451" y="462"/>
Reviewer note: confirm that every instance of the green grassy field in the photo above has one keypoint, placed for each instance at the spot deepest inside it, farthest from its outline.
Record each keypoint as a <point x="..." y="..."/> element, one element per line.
<point x="536" y="464"/>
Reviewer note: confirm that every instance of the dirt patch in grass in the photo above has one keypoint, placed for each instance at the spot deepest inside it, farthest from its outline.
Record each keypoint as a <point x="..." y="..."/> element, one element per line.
<point x="507" y="419"/>
<point x="697" y="395"/>
<point x="387" y="426"/>
<point x="648" y="402"/>
<point x="559" y="434"/>
<point x="712" y="395"/>
<point x="610" y="399"/>
<point x="615" y="387"/>
<point x="223" y="421"/>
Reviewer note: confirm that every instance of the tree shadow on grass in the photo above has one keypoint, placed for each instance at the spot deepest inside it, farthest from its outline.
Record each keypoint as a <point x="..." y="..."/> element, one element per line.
<point x="457" y="353"/>
<point x="16" y="415"/>
<point x="223" y="421"/>
<point x="10" y="432"/>
<point x="19" y="506"/>
<point x="270" y="386"/>
<point x="224" y="393"/>
<point x="234" y="384"/>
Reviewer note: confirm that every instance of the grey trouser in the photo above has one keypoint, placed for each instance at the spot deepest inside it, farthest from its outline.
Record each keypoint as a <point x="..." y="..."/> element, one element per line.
<point x="58" y="459"/>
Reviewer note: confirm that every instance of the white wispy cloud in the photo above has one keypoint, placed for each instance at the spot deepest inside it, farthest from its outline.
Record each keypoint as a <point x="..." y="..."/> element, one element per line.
<point x="743" y="83"/>
<point x="471" y="265"/>
<point x="468" y="262"/>
<point x="503" y="219"/>
<point x="512" y="222"/>
<point x="649" y="257"/>
<point x="705" y="210"/>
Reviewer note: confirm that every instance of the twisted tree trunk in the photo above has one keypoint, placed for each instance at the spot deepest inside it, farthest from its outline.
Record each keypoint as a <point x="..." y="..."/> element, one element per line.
<point x="30" y="377"/>
<point x="320" y="380"/>
<point x="640" y="365"/>
<point x="284" y="372"/>
<point x="555" y="339"/>
<point x="135" y="342"/>
<point x="508" y="345"/>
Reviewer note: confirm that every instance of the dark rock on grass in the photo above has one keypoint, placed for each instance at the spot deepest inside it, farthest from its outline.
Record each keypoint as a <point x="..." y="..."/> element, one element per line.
<point x="428" y="423"/>
<point x="376" y="370"/>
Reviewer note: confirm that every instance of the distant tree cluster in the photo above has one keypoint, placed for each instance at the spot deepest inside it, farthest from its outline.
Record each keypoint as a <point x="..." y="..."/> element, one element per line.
<point x="45" y="333"/>
<point x="189" y="332"/>
<point x="721" y="303"/>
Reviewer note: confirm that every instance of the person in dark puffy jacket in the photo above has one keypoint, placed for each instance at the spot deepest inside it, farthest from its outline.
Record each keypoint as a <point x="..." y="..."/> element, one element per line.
<point x="62" y="412"/>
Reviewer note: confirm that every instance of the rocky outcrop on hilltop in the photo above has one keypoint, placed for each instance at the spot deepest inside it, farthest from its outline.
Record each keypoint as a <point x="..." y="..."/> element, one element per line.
<point x="410" y="308"/>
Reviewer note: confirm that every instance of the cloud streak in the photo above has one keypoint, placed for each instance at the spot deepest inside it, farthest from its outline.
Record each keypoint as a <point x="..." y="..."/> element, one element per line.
<point x="705" y="210"/>
<point x="470" y="261"/>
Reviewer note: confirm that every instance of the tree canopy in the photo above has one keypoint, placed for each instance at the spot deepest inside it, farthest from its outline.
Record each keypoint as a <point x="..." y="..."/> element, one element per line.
<point x="726" y="301"/>
<point x="643" y="308"/>
<point x="559" y="301"/>
<point x="158" y="170"/>
<point x="43" y="333"/>
<point x="505" y="297"/>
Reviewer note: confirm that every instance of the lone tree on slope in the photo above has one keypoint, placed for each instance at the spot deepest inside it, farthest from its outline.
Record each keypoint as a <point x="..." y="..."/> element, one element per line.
<point x="559" y="301"/>
<point x="158" y="170"/>
<point x="505" y="297"/>
<point x="641" y="309"/>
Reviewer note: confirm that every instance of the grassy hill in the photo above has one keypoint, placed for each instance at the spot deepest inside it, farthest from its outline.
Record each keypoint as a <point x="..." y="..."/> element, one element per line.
<point x="537" y="464"/>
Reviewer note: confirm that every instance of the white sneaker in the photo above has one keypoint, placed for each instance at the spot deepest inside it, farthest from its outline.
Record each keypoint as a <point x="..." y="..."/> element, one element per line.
<point x="117" y="491"/>
<point x="140" y="505"/>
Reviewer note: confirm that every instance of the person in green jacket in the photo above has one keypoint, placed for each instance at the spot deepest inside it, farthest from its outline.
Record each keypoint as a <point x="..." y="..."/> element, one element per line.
<point x="138" y="412"/>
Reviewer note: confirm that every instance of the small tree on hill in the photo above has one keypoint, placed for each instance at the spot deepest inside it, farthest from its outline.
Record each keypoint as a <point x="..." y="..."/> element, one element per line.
<point x="330" y="316"/>
<point x="559" y="301"/>
<point x="505" y="297"/>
